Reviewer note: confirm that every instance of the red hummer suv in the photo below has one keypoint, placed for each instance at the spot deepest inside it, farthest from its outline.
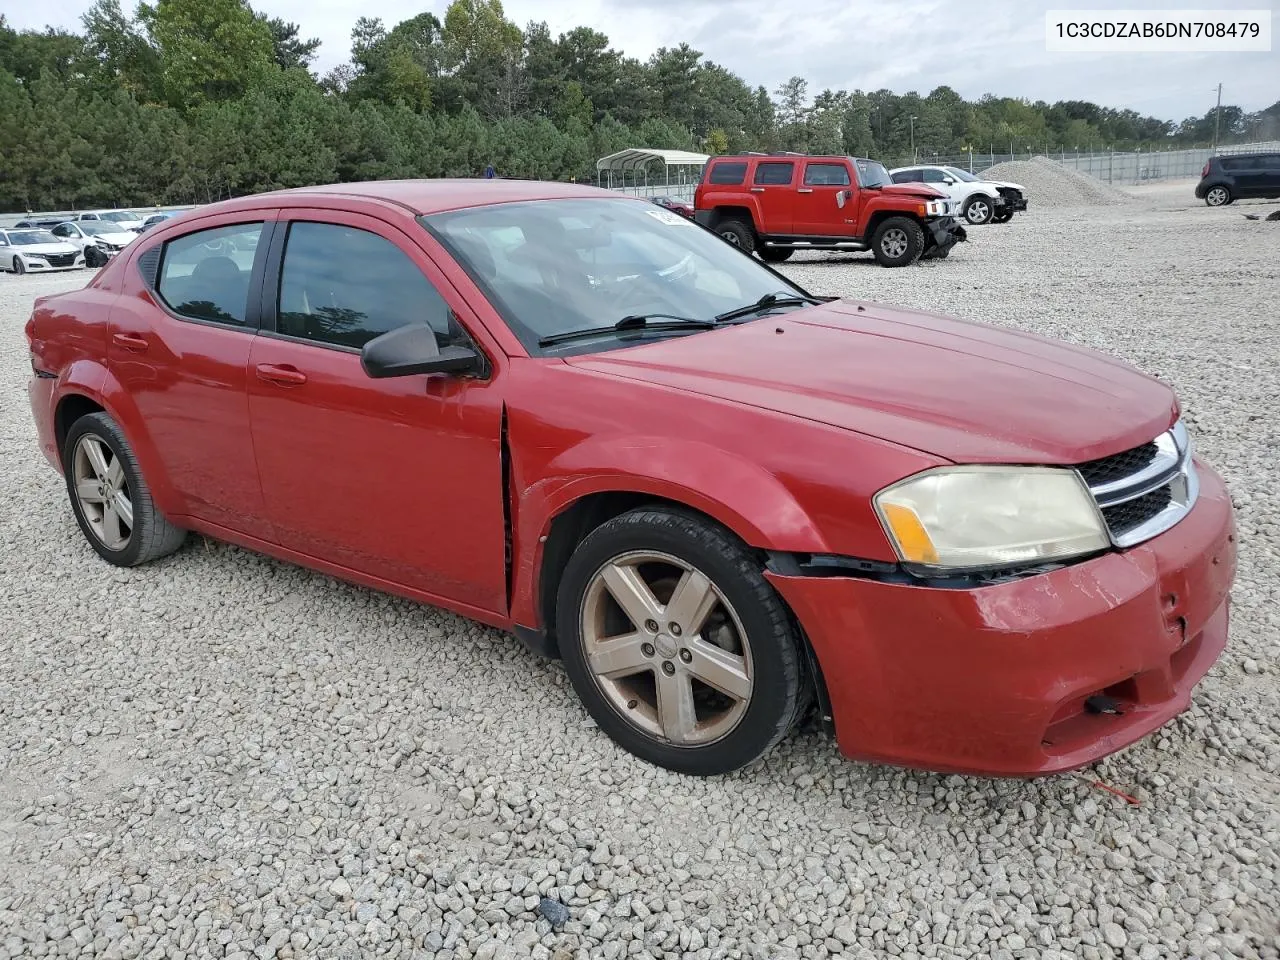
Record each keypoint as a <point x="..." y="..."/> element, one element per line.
<point x="775" y="204"/>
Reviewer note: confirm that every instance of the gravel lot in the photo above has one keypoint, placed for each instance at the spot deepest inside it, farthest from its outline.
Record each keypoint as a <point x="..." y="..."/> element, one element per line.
<point x="221" y="755"/>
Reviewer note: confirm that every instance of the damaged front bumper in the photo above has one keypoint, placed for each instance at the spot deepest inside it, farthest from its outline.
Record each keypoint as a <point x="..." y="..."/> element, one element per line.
<point x="941" y="234"/>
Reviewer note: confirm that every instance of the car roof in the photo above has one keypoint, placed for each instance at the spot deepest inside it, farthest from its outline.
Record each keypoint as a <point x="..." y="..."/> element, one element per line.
<point x="422" y="196"/>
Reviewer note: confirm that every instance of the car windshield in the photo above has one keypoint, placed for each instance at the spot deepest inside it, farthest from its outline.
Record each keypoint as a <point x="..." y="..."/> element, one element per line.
<point x="872" y="174"/>
<point x="28" y="238"/>
<point x="959" y="174"/>
<point x="555" y="266"/>
<point x="120" y="216"/>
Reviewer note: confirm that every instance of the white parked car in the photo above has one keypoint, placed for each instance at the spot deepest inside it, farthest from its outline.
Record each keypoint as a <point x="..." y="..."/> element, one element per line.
<point x="980" y="201"/>
<point x="37" y="251"/>
<point x="99" y="240"/>
<point x="124" y="219"/>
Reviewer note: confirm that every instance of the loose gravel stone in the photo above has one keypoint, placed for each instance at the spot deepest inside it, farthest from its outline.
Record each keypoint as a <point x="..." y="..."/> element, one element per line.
<point x="221" y="755"/>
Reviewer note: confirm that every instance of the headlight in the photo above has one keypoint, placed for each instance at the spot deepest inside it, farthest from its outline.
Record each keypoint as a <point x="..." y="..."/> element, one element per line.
<point x="935" y="208"/>
<point x="975" y="518"/>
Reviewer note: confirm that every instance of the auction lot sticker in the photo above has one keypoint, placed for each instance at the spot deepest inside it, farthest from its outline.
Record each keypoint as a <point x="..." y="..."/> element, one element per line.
<point x="1158" y="31"/>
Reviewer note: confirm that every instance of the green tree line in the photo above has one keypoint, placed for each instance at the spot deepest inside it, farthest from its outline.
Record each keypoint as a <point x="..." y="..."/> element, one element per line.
<point x="187" y="101"/>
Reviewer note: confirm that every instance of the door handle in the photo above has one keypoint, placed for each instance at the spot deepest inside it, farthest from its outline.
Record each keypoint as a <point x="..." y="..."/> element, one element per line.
<point x="757" y="189"/>
<point x="804" y="190"/>
<point x="129" y="341"/>
<point x="282" y="374"/>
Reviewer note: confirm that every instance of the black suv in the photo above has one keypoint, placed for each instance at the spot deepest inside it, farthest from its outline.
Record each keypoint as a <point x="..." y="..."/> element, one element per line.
<point x="1239" y="177"/>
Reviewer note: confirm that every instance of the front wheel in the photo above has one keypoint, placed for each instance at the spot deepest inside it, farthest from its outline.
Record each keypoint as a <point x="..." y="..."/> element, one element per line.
<point x="109" y="496"/>
<point x="19" y="266"/>
<point x="1004" y="216"/>
<point x="1218" y="197"/>
<point x="775" y="254"/>
<point x="979" y="210"/>
<point x="897" y="242"/>
<point x="678" y="647"/>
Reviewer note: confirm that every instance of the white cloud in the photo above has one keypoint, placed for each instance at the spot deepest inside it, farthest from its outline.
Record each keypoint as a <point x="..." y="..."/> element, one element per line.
<point x="996" y="46"/>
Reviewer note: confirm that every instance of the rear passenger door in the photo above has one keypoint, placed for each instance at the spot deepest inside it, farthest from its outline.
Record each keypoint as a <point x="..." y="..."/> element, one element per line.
<point x="399" y="478"/>
<point x="179" y="346"/>
<point x="772" y="187"/>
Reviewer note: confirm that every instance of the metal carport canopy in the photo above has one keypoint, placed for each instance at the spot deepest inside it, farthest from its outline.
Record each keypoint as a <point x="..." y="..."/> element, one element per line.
<point x="635" y="158"/>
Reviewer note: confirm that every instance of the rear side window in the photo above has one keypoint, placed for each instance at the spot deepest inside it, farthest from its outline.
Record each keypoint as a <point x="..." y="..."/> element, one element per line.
<point x="777" y="174"/>
<point x="727" y="173"/>
<point x="826" y="175"/>
<point x="205" y="275"/>
<point x="342" y="286"/>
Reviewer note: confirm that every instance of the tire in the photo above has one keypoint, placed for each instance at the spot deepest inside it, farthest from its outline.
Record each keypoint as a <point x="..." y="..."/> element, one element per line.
<point x="775" y="254"/>
<point x="738" y="234"/>
<point x="978" y="210"/>
<point x="19" y="266"/>
<point x="149" y="536"/>
<point x="1218" y="196"/>
<point x="753" y="645"/>
<point x="1004" y="216"/>
<point x="93" y="257"/>
<point x="898" y="242"/>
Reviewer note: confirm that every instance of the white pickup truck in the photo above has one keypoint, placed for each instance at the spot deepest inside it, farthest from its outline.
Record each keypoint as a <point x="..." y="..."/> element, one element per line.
<point x="980" y="201"/>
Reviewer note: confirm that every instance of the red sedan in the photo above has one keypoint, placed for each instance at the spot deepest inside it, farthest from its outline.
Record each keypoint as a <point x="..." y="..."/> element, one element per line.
<point x="721" y="500"/>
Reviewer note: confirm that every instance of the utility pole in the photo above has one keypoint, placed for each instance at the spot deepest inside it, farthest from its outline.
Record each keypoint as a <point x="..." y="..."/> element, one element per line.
<point x="913" y="138"/>
<point x="1217" y="119"/>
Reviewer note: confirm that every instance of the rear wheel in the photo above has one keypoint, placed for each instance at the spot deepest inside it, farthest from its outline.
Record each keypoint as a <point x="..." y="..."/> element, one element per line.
<point x="19" y="266"/>
<point x="978" y="210"/>
<point x="775" y="254"/>
<point x="678" y="647"/>
<point x="897" y="242"/>
<point x="1218" y="196"/>
<point x="109" y="496"/>
<point x="739" y="234"/>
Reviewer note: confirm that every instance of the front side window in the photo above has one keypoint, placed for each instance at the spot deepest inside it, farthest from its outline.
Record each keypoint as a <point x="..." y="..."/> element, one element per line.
<point x="65" y="230"/>
<point x="777" y="174"/>
<point x="826" y="175"/>
<point x="205" y="275"/>
<point x="935" y="176"/>
<point x="872" y="174"/>
<point x="550" y="267"/>
<point x="341" y="286"/>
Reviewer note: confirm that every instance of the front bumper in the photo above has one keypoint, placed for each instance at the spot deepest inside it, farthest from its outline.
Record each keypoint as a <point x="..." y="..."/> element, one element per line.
<point x="941" y="234"/>
<point x="50" y="265"/>
<point x="993" y="680"/>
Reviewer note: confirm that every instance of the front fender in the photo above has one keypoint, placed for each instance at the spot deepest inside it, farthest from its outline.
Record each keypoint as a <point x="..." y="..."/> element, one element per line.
<point x="738" y="493"/>
<point x="92" y="380"/>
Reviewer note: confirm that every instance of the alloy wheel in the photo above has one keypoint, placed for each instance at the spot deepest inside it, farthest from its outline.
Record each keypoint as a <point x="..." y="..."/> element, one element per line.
<point x="666" y="648"/>
<point x="894" y="242"/>
<point x="103" y="492"/>
<point x="730" y="236"/>
<point x="1217" y="196"/>
<point x="979" y="212"/>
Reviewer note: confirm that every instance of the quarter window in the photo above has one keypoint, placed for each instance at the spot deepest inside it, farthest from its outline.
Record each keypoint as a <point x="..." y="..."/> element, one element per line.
<point x="205" y="275"/>
<point x="727" y="173"/>
<point x="342" y="286"/>
<point x="777" y="174"/>
<point x="826" y="175"/>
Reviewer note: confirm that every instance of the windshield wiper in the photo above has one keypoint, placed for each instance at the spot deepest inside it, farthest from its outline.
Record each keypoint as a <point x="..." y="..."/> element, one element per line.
<point x="634" y="321"/>
<point x="783" y="298"/>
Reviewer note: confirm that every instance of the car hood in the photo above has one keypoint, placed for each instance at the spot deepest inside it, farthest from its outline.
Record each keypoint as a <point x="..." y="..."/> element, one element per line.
<point x="118" y="237"/>
<point x="912" y="190"/>
<point x="1005" y="183"/>
<point x="43" y="248"/>
<point x="959" y="390"/>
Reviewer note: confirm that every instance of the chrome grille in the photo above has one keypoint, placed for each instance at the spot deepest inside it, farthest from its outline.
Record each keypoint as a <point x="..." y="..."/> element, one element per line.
<point x="1144" y="491"/>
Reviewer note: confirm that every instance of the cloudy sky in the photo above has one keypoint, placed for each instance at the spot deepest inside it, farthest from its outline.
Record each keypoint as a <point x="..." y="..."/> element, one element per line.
<point x="991" y="46"/>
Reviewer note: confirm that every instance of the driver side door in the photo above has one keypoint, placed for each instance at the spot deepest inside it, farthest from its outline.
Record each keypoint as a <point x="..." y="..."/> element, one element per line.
<point x="399" y="479"/>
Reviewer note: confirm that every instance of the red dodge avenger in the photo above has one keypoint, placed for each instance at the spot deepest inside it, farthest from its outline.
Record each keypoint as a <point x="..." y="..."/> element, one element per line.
<point x="721" y="500"/>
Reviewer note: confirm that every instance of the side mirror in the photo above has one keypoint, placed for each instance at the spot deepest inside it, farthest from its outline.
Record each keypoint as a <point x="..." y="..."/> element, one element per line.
<point x="948" y="179"/>
<point x="412" y="349"/>
<point x="842" y="196"/>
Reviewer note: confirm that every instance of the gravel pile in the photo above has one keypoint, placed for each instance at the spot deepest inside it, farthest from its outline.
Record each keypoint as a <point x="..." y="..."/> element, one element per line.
<point x="1049" y="184"/>
<point x="224" y="756"/>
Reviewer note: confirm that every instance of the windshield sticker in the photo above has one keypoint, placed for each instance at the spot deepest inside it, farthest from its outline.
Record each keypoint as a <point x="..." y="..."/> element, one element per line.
<point x="666" y="216"/>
